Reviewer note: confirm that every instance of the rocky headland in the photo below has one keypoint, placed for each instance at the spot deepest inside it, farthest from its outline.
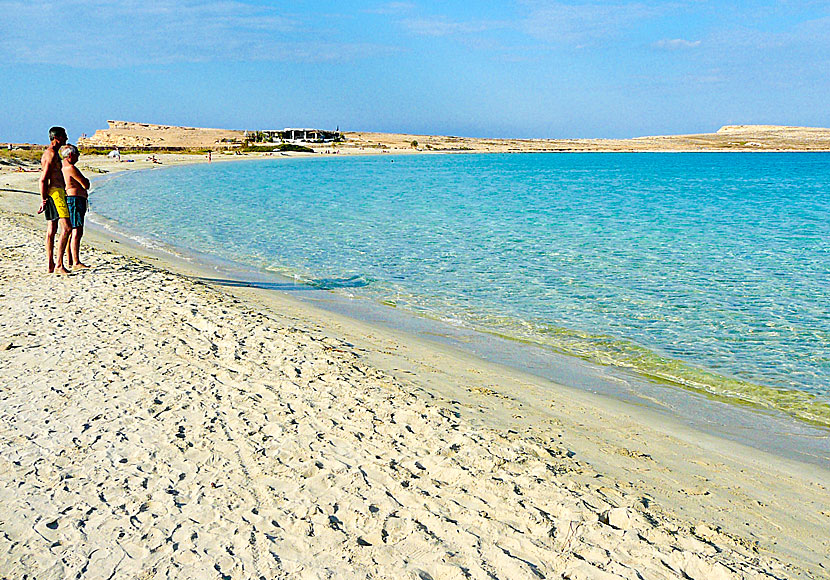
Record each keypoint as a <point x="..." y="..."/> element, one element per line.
<point x="126" y="134"/>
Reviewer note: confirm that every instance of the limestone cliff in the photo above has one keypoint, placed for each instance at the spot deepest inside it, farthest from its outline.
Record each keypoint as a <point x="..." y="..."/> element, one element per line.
<point x="126" y="134"/>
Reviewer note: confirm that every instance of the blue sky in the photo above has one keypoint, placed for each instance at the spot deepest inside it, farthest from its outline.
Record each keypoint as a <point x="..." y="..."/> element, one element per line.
<point x="523" y="68"/>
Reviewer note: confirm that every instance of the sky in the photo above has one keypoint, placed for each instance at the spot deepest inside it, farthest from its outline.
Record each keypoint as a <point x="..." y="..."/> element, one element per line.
<point x="507" y="68"/>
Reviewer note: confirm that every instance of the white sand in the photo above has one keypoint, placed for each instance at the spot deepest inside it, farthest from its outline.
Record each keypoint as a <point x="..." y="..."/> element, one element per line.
<point x="152" y="426"/>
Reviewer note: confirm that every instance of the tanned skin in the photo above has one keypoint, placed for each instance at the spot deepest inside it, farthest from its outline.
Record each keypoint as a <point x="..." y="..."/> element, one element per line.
<point x="76" y="185"/>
<point x="51" y="176"/>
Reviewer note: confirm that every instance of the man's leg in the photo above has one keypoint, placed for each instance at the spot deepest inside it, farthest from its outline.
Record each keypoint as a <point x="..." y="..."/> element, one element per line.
<point x="75" y="244"/>
<point x="70" y="204"/>
<point x="51" y="229"/>
<point x="63" y="240"/>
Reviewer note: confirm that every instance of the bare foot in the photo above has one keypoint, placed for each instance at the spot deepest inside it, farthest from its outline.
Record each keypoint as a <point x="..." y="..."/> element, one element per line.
<point x="51" y="269"/>
<point x="79" y="266"/>
<point x="61" y="270"/>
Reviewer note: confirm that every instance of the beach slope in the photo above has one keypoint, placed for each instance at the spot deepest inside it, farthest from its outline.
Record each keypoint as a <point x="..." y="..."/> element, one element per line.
<point x="152" y="425"/>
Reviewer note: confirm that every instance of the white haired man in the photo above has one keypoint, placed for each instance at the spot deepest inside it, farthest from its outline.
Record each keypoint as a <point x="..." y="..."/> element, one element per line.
<point x="76" y="200"/>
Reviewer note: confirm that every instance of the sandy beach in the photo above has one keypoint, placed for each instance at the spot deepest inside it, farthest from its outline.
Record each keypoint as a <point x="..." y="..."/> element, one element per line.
<point x="155" y="425"/>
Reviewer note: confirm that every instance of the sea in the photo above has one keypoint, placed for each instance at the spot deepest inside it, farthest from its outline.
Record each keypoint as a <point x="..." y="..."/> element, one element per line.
<point x="707" y="272"/>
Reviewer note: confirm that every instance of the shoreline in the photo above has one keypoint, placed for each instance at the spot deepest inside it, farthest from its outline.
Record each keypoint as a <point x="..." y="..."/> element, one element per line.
<point x="768" y="430"/>
<point x="643" y="389"/>
<point x="688" y="476"/>
<point x="773" y="405"/>
<point x="730" y="417"/>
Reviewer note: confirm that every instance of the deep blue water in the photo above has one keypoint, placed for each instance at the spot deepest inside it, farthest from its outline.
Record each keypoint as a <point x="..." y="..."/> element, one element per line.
<point x="709" y="270"/>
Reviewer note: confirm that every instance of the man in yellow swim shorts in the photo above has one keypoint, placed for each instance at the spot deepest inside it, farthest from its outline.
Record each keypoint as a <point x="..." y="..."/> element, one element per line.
<point x="53" y="200"/>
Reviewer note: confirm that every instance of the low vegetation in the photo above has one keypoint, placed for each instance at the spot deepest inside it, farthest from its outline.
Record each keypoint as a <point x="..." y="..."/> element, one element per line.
<point x="21" y="156"/>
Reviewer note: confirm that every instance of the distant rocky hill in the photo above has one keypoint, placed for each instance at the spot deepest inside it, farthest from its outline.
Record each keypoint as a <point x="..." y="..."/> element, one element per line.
<point x="731" y="137"/>
<point x="125" y="134"/>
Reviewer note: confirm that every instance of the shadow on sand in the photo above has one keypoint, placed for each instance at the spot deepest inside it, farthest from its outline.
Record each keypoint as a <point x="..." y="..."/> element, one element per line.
<point x="19" y="191"/>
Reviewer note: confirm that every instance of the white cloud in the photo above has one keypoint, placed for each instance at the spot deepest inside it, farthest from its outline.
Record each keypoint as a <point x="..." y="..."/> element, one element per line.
<point x="676" y="43"/>
<point x="440" y="26"/>
<point x="392" y="8"/>
<point x="562" y="23"/>
<point x="98" y="33"/>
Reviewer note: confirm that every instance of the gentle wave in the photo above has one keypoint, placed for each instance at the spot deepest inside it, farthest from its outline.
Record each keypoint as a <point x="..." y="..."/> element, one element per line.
<point x="613" y="351"/>
<point x="619" y="352"/>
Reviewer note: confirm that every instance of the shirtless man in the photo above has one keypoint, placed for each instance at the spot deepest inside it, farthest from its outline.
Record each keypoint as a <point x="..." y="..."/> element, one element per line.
<point x="76" y="199"/>
<point x="53" y="199"/>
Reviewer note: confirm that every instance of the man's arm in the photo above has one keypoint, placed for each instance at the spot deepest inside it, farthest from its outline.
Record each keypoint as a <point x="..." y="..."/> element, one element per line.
<point x="45" y="163"/>
<point x="79" y="177"/>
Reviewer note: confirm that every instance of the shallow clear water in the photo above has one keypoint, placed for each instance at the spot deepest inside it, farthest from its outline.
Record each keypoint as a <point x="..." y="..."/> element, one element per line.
<point x="709" y="270"/>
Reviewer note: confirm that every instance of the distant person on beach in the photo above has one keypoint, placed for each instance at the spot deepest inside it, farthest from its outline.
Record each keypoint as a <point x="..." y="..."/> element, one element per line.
<point x="76" y="200"/>
<point x="53" y="199"/>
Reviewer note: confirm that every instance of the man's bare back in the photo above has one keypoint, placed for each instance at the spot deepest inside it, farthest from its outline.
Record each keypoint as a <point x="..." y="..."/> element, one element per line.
<point x="50" y="163"/>
<point x="53" y="199"/>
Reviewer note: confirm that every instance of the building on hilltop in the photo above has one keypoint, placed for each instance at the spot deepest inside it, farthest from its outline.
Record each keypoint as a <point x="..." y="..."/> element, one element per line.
<point x="294" y="135"/>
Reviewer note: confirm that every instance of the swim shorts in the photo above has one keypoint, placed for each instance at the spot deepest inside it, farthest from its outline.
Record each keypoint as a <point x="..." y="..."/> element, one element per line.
<point x="77" y="210"/>
<point x="56" y="204"/>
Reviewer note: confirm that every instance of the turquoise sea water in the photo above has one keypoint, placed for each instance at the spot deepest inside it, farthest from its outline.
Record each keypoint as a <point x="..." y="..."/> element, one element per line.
<point x="708" y="270"/>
